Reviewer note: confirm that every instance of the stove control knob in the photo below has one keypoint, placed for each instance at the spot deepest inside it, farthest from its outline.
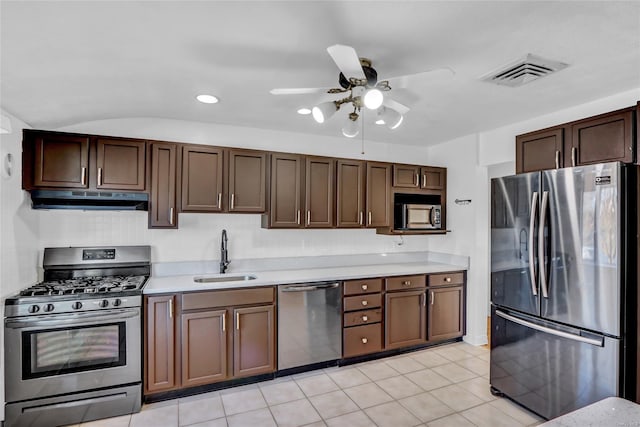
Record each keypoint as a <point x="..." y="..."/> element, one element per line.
<point x="117" y="302"/>
<point x="104" y="303"/>
<point x="76" y="305"/>
<point x="49" y="307"/>
<point x="33" y="308"/>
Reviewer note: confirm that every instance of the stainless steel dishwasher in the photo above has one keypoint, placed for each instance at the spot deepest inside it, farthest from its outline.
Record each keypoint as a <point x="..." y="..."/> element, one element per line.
<point x="309" y="324"/>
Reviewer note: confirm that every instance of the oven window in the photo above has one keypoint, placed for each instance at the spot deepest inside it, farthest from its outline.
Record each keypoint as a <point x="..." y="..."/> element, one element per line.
<point x="83" y="348"/>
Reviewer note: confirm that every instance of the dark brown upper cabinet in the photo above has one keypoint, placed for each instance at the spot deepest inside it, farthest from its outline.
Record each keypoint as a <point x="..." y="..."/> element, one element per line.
<point x="350" y="193"/>
<point x="604" y="138"/>
<point x="407" y="176"/>
<point x="302" y="192"/>
<point x="433" y="178"/>
<point x="202" y="169"/>
<point x="120" y="164"/>
<point x="247" y="181"/>
<point x="162" y="200"/>
<point x="540" y="150"/>
<point x="378" y="195"/>
<point x="57" y="160"/>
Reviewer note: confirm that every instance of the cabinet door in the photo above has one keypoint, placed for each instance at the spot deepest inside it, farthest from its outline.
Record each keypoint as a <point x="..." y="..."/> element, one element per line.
<point x="406" y="176"/>
<point x="202" y="179"/>
<point x="350" y="193"/>
<point x="204" y="347"/>
<point x="286" y="185"/>
<point x="446" y="310"/>
<point x="160" y="344"/>
<point x="405" y="319"/>
<point x="61" y="161"/>
<point x="162" y="206"/>
<point x="433" y="178"/>
<point x="247" y="181"/>
<point x="378" y="195"/>
<point x="254" y="341"/>
<point x="602" y="139"/>
<point x="120" y="164"/>
<point x="319" y="192"/>
<point x="538" y="151"/>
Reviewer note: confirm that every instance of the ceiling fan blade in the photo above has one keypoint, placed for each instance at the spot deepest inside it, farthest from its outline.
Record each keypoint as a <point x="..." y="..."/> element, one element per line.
<point x="298" y="90"/>
<point x="436" y="75"/>
<point x="347" y="61"/>
<point x="400" y="108"/>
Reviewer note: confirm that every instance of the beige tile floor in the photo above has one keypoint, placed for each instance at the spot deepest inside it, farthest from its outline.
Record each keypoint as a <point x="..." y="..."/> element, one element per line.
<point x="445" y="386"/>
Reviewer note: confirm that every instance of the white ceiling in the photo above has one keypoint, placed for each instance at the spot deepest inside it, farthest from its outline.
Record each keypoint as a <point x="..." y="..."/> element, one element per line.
<point x="64" y="63"/>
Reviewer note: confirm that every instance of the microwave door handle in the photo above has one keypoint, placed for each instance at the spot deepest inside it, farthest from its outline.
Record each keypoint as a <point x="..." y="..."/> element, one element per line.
<point x="432" y="214"/>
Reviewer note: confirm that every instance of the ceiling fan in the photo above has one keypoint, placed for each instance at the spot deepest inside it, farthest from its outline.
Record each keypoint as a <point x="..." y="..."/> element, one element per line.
<point x="358" y="80"/>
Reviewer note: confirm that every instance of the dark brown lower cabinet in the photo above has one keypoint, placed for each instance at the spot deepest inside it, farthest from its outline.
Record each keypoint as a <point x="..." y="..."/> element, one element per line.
<point x="446" y="316"/>
<point x="405" y="319"/>
<point x="361" y="340"/>
<point x="204" y="347"/>
<point x="254" y="341"/>
<point x="160" y="344"/>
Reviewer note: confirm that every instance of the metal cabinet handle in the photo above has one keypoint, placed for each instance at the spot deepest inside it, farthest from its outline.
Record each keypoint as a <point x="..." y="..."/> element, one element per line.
<point x="433" y="297"/>
<point x="171" y="308"/>
<point x="171" y="216"/>
<point x="220" y="200"/>
<point x="233" y="199"/>
<point x="369" y="217"/>
<point x="224" y="322"/>
<point x="424" y="181"/>
<point x="364" y="340"/>
<point x="365" y="318"/>
<point x="574" y="155"/>
<point x="308" y="217"/>
<point x="417" y="179"/>
<point x="365" y="302"/>
<point x="557" y="159"/>
<point x="298" y="217"/>
<point x="99" y="176"/>
<point x="532" y="223"/>
<point x="83" y="176"/>
<point x="361" y="218"/>
<point x="447" y="279"/>
<point x="406" y="283"/>
<point x="364" y="287"/>
<point x="237" y="321"/>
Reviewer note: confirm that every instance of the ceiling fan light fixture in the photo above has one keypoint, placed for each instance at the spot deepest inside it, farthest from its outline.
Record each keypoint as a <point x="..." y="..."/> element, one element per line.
<point x="207" y="99"/>
<point x="350" y="129"/>
<point x="373" y="99"/>
<point x="391" y="118"/>
<point x="324" y="111"/>
<point x="304" y="111"/>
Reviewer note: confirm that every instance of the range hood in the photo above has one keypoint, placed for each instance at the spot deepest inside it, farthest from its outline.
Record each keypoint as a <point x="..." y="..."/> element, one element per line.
<point x="89" y="200"/>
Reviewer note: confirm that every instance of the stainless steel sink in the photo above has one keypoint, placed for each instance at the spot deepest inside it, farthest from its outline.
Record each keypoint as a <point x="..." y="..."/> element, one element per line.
<point x="216" y="279"/>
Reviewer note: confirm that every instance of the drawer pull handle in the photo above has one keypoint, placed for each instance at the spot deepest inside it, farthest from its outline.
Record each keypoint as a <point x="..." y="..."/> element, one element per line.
<point x="365" y="302"/>
<point x="424" y="181"/>
<point x="219" y="201"/>
<point x="364" y="340"/>
<point x="83" y="177"/>
<point x="365" y="318"/>
<point x="365" y="287"/>
<point x="447" y="279"/>
<point x="406" y="283"/>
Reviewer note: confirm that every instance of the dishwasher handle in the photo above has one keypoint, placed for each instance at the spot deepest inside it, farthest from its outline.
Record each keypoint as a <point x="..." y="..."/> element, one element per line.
<point x="310" y="287"/>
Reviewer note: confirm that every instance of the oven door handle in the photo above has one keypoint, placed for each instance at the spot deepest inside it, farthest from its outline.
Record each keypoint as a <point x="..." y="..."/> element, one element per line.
<point x="66" y="319"/>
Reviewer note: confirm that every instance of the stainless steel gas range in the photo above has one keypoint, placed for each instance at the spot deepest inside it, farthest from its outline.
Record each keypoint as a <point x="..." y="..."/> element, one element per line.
<point x="73" y="345"/>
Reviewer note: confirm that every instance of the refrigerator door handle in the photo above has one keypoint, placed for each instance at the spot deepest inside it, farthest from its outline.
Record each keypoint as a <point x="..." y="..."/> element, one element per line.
<point x="551" y="331"/>
<point x="541" y="255"/>
<point x="532" y="223"/>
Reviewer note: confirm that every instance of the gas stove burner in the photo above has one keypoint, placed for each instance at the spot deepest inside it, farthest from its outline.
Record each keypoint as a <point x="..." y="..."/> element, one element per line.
<point x="86" y="285"/>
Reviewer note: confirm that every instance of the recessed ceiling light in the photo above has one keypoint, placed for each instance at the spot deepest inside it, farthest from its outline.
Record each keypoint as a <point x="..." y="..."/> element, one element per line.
<point x="304" y="111"/>
<point x="207" y="99"/>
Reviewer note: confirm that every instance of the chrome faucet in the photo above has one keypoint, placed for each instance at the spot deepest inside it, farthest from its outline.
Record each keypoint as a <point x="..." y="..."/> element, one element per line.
<point x="224" y="256"/>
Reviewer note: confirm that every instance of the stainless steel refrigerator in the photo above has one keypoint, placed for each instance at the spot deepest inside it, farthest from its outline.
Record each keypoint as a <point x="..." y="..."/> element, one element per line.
<point x="563" y="286"/>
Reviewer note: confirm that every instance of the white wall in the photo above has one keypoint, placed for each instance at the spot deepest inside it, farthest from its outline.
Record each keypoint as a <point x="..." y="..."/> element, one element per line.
<point x="471" y="162"/>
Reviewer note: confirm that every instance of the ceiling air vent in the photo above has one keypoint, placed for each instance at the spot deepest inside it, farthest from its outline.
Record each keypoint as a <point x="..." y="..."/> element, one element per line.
<point x="523" y="71"/>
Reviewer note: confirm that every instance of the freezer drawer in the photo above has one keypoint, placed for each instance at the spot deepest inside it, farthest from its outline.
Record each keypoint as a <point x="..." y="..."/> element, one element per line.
<point x="549" y="368"/>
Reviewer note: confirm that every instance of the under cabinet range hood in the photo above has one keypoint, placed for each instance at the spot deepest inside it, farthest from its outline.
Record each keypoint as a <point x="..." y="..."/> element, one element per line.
<point x="89" y="200"/>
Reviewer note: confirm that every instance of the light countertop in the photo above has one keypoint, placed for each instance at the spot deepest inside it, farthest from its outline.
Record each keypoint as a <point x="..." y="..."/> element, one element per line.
<point x="612" y="411"/>
<point x="185" y="283"/>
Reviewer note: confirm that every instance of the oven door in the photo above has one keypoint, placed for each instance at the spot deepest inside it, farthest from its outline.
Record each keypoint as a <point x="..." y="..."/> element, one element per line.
<point x="64" y="353"/>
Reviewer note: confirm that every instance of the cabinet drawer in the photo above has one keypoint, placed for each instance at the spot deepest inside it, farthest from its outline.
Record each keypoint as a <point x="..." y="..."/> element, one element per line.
<point x="366" y="286"/>
<point x="446" y="279"/>
<point x="211" y="299"/>
<point x="362" y="302"/>
<point x="362" y="317"/>
<point x="405" y="282"/>
<point x="362" y="340"/>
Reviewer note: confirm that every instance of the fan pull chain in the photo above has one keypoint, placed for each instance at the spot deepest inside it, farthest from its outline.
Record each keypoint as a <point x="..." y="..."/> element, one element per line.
<point x="362" y="122"/>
